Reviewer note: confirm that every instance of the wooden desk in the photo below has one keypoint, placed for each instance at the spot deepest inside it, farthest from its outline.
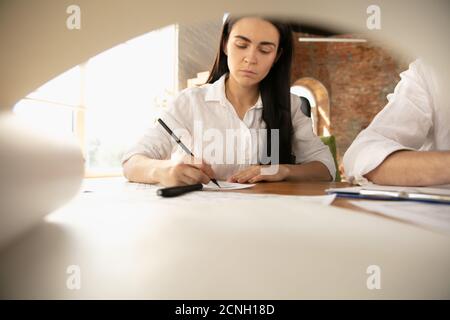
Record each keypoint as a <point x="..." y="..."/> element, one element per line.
<point x="317" y="188"/>
<point x="304" y="189"/>
<point x="294" y="188"/>
<point x="127" y="247"/>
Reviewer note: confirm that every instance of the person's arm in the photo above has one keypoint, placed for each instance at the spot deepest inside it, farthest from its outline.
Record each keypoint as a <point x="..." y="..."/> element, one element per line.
<point x="413" y="168"/>
<point x="314" y="160"/>
<point x="142" y="169"/>
<point x="311" y="171"/>
<point x="314" y="170"/>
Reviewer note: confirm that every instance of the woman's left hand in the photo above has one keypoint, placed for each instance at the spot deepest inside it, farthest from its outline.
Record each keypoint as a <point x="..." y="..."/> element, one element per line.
<point x="253" y="174"/>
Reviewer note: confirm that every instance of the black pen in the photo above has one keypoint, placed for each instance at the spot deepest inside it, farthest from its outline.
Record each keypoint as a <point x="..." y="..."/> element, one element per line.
<point x="177" y="191"/>
<point x="181" y="144"/>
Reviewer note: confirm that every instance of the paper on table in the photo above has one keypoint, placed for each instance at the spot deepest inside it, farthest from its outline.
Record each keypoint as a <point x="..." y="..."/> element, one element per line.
<point x="119" y="189"/>
<point x="110" y="184"/>
<point x="224" y="185"/>
<point x="435" y="216"/>
<point x="438" y="190"/>
<point x="236" y="196"/>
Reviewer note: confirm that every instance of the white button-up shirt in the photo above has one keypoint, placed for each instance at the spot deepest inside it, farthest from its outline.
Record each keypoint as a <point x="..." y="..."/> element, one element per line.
<point x="415" y="118"/>
<point x="207" y="123"/>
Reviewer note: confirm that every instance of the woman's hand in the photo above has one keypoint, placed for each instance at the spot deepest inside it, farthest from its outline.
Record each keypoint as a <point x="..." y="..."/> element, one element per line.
<point x="187" y="171"/>
<point x="253" y="174"/>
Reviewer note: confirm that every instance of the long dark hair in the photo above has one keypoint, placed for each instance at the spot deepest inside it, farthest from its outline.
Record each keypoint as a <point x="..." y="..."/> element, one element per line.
<point x="274" y="88"/>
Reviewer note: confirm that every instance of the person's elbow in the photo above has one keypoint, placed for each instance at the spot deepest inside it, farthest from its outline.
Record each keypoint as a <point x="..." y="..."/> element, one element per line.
<point x="128" y="168"/>
<point x="327" y="171"/>
<point x="375" y="176"/>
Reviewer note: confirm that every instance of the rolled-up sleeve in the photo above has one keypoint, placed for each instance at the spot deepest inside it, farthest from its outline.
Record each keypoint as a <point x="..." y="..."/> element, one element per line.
<point x="403" y="124"/>
<point x="153" y="144"/>
<point x="308" y="147"/>
<point x="156" y="143"/>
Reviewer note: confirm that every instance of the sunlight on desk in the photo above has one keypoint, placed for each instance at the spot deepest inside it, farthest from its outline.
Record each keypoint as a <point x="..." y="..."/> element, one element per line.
<point x="129" y="243"/>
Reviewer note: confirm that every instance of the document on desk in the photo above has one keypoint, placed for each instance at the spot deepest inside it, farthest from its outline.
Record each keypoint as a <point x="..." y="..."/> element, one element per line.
<point x="436" y="194"/>
<point x="91" y="185"/>
<point x="436" y="190"/>
<point x="118" y="189"/>
<point x="434" y="216"/>
<point x="203" y="196"/>
<point x="224" y="185"/>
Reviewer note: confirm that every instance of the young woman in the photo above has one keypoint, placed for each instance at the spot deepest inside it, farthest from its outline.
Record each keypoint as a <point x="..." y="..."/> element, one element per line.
<point x="241" y="124"/>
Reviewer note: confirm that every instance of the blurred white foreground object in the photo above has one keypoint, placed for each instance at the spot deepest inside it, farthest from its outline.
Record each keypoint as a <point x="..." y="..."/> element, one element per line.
<point x="38" y="173"/>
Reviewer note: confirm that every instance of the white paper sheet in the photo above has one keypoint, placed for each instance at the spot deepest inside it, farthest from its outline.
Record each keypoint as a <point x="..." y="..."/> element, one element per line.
<point x="208" y="196"/>
<point x="436" y="190"/>
<point x="224" y="185"/>
<point x="435" y="216"/>
<point x="119" y="189"/>
<point x="110" y="184"/>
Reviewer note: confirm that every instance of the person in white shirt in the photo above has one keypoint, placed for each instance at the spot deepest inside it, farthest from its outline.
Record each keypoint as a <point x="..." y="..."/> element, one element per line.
<point x="241" y="124"/>
<point x="408" y="142"/>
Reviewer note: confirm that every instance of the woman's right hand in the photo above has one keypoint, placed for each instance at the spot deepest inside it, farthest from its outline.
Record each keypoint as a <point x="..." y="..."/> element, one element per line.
<point x="187" y="171"/>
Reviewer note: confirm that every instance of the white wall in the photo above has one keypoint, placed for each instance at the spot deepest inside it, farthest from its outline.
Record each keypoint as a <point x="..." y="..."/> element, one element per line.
<point x="36" y="45"/>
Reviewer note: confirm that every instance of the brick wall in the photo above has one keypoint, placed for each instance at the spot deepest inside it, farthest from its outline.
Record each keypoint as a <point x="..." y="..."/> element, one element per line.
<point x="358" y="76"/>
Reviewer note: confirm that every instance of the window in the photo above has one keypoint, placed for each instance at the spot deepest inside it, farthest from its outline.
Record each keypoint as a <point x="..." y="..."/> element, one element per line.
<point x="108" y="101"/>
<point x="302" y="91"/>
